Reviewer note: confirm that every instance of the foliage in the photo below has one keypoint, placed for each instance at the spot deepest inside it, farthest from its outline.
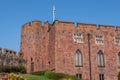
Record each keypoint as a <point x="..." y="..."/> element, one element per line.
<point x="62" y="76"/>
<point x="50" y="74"/>
<point x="119" y="76"/>
<point x="15" y="69"/>
<point x="22" y="69"/>
<point x="66" y="79"/>
<point x="13" y="76"/>
<point x="35" y="77"/>
<point x="38" y="73"/>
<point x="54" y="76"/>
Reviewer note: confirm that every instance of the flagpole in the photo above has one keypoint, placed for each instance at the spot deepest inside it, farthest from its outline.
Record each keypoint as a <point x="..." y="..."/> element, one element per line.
<point x="54" y="13"/>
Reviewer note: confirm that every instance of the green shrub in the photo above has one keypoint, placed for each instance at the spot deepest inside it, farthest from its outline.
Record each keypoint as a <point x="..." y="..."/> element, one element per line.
<point x="61" y="76"/>
<point x="50" y="75"/>
<point x="15" y="69"/>
<point x="5" y="69"/>
<point x="40" y="73"/>
<point x="119" y="76"/>
<point x="54" y="76"/>
<point x="22" y="69"/>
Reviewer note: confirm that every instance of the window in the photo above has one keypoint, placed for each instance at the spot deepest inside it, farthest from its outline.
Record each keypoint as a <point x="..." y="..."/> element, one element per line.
<point x="117" y="40"/>
<point x="32" y="65"/>
<point x="100" y="59"/>
<point x="101" y="76"/>
<point x="78" y="58"/>
<point x="78" y="37"/>
<point x="99" y="39"/>
<point x="119" y="59"/>
<point x="79" y="76"/>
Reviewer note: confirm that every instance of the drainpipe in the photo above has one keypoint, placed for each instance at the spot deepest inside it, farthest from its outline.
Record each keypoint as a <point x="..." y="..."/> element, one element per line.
<point x="89" y="36"/>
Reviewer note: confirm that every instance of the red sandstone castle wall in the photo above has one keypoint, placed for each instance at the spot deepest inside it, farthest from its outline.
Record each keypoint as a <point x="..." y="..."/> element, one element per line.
<point x="34" y="44"/>
<point x="52" y="47"/>
<point x="65" y="49"/>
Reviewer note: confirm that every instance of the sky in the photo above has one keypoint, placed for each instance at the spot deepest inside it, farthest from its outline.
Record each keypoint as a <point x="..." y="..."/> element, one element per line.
<point x="15" y="13"/>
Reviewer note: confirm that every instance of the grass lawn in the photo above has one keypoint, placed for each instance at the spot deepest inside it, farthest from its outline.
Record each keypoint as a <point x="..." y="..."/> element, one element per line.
<point x="34" y="77"/>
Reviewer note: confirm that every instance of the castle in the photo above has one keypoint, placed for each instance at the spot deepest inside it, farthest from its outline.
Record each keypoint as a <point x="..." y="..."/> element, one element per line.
<point x="86" y="50"/>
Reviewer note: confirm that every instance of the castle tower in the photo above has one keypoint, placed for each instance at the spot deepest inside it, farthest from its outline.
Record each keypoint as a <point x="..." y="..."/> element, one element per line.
<point x="34" y="45"/>
<point x="63" y="47"/>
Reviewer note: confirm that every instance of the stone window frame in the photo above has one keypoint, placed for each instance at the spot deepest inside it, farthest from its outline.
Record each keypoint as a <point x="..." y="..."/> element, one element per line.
<point x="99" y="39"/>
<point x="117" y="41"/>
<point x="78" y="58"/>
<point x="100" y="59"/>
<point x="78" y="37"/>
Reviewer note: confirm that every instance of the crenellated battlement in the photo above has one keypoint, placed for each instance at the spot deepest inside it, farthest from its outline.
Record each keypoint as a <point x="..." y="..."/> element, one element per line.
<point x="7" y="52"/>
<point x="29" y="25"/>
<point x="86" y="25"/>
<point x="33" y="23"/>
<point x="36" y="24"/>
<point x="106" y="27"/>
<point x="10" y="58"/>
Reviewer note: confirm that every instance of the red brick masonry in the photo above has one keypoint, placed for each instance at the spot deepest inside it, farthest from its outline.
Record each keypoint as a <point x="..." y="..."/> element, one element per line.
<point x="51" y="47"/>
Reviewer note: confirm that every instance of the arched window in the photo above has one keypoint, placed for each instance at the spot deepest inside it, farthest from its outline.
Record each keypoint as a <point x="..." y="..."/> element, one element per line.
<point x="100" y="59"/>
<point x="78" y="58"/>
<point x="119" y="59"/>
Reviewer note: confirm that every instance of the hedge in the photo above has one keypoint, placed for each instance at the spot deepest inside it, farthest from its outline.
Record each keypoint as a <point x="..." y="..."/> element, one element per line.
<point x="15" y="69"/>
